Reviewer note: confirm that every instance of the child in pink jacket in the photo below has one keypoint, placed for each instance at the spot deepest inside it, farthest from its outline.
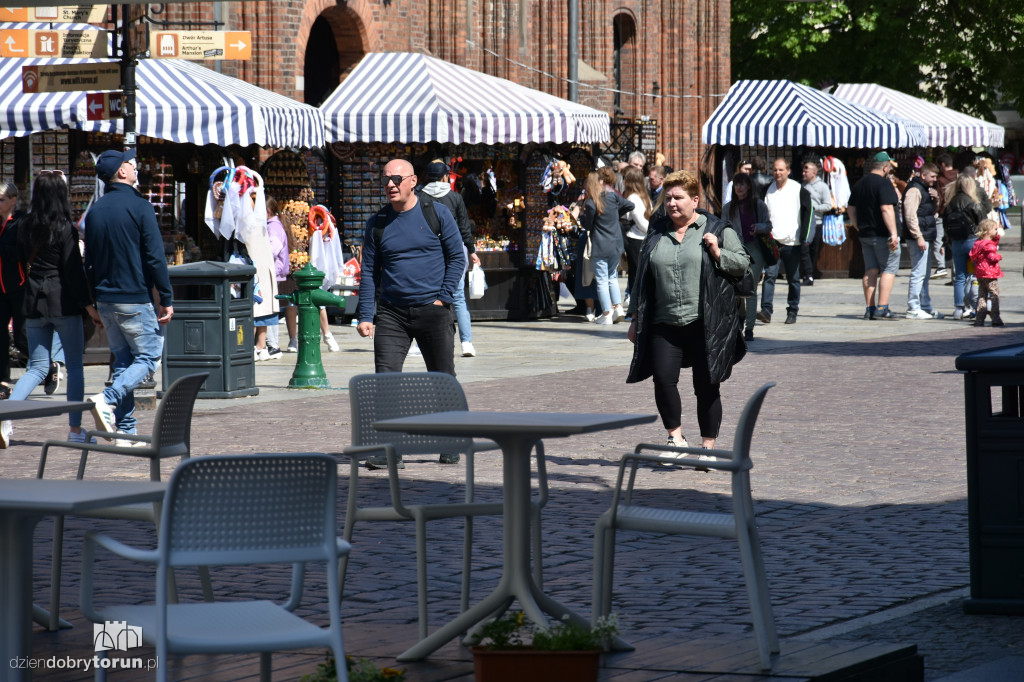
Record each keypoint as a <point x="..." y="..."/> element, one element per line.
<point x="985" y="256"/>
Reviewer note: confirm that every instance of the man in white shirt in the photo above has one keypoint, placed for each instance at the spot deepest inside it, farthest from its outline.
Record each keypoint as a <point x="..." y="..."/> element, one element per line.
<point x="789" y="206"/>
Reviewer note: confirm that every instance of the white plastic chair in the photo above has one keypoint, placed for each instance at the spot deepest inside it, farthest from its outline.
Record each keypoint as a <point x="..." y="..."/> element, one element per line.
<point x="171" y="437"/>
<point x="390" y="395"/>
<point x="740" y="524"/>
<point x="235" y="510"/>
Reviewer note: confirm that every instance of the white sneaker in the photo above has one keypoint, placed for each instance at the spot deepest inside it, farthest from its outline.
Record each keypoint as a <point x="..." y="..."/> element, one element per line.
<point x="6" y="432"/>
<point x="675" y="443"/>
<point x="918" y="315"/>
<point x="103" y="413"/>
<point x="79" y="437"/>
<point x="604" y="319"/>
<point x="128" y="443"/>
<point x="256" y="355"/>
<point x="332" y="345"/>
<point x="262" y="354"/>
<point x="293" y="346"/>
<point x="414" y="350"/>
<point x="467" y="349"/>
<point x="590" y="315"/>
<point x="618" y="314"/>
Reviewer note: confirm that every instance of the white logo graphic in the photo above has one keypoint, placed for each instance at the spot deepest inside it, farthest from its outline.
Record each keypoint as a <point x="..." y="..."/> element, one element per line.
<point x="116" y="636"/>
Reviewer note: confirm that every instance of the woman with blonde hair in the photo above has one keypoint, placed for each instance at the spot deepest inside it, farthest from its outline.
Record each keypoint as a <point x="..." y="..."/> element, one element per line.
<point x="600" y="219"/>
<point x="961" y="216"/>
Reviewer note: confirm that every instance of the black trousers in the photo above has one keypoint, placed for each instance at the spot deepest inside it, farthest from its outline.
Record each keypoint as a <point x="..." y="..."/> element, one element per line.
<point x="669" y="346"/>
<point x="632" y="261"/>
<point x="432" y="326"/>
<point x="10" y="309"/>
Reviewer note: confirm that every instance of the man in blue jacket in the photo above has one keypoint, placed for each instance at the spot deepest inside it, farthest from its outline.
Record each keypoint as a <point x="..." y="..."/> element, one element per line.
<point x="124" y="261"/>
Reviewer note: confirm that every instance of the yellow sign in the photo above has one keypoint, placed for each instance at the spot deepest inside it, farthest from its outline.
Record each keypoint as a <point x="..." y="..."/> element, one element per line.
<point x="70" y="77"/>
<point x="24" y="42"/>
<point x="200" y="45"/>
<point x="81" y="14"/>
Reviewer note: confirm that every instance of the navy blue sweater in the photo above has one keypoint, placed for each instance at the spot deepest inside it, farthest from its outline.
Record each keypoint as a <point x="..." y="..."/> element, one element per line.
<point x="124" y="252"/>
<point x="418" y="268"/>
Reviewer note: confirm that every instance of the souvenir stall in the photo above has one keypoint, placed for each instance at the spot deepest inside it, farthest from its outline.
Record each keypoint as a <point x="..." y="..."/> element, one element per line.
<point x="782" y="118"/>
<point x="498" y="138"/>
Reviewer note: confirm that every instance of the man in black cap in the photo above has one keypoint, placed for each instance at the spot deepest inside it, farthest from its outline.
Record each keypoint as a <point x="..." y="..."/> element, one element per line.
<point x="124" y="261"/>
<point x="439" y="189"/>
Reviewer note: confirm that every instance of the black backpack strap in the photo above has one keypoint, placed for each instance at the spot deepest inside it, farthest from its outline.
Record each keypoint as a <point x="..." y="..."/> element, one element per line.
<point x="380" y="223"/>
<point x="427" y="206"/>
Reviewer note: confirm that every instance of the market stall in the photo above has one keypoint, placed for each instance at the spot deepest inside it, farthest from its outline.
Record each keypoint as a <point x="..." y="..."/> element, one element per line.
<point x="789" y="119"/>
<point x="943" y="127"/>
<point x="499" y="139"/>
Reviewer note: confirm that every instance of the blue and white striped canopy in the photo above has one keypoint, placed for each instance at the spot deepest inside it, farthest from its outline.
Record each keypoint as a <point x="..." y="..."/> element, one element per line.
<point x="176" y="100"/>
<point x="943" y="127"/>
<point x="787" y="114"/>
<point x="404" y="97"/>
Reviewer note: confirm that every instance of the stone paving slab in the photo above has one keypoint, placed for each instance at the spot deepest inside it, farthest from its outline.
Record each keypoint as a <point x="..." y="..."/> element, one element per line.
<point x="859" y="479"/>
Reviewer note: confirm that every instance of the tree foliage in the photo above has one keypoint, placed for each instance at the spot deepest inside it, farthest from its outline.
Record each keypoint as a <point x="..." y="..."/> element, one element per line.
<point x="966" y="54"/>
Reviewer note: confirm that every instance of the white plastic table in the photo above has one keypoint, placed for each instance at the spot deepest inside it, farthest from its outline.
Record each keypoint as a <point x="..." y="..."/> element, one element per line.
<point x="516" y="433"/>
<point x="23" y="502"/>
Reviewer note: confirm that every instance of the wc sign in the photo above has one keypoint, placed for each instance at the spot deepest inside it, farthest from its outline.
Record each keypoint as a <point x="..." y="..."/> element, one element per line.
<point x="100" y="106"/>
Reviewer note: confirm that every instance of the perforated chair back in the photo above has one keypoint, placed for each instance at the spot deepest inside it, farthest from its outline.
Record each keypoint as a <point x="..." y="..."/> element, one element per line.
<point x="172" y="426"/>
<point x="391" y="395"/>
<point x="226" y="510"/>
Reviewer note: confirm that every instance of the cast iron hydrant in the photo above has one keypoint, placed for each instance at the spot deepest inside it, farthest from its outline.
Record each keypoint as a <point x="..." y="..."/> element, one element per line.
<point x="309" y="370"/>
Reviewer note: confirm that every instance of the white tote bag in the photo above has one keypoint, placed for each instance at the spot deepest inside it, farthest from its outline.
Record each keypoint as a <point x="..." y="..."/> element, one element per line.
<point x="477" y="282"/>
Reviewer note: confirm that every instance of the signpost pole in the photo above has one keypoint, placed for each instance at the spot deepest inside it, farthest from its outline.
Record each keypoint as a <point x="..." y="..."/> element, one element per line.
<point x="128" y="64"/>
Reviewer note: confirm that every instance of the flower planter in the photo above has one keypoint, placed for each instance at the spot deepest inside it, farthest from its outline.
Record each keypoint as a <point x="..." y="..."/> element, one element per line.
<point x="530" y="665"/>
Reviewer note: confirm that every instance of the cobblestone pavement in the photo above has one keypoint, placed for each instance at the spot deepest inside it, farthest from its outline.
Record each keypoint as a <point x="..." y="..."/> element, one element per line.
<point x="859" y="479"/>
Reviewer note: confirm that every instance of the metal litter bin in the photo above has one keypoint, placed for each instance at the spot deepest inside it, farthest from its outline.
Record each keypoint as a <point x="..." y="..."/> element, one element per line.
<point x="212" y="329"/>
<point x="994" y="402"/>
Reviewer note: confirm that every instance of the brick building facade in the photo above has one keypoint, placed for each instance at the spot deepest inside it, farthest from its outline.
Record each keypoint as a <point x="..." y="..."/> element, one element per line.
<point x="303" y="49"/>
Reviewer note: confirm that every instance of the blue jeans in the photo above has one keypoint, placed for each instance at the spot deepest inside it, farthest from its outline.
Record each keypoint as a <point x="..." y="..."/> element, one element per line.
<point x="137" y="343"/>
<point x="961" y="288"/>
<point x="462" y="313"/>
<point x="789" y="261"/>
<point x="41" y="333"/>
<point x="607" y="278"/>
<point x="918" y="297"/>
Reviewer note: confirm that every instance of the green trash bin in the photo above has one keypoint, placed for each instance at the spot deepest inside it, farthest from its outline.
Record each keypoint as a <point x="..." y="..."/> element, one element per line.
<point x="994" y="402"/>
<point x="212" y="329"/>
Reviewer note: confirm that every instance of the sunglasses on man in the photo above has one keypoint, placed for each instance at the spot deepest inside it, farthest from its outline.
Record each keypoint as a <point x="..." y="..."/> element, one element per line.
<point x="396" y="179"/>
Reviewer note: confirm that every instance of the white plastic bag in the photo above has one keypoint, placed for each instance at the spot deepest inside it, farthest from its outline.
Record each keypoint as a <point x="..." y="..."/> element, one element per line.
<point x="477" y="282"/>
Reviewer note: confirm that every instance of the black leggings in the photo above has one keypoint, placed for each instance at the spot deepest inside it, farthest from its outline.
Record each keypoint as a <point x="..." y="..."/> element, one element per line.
<point x="669" y="346"/>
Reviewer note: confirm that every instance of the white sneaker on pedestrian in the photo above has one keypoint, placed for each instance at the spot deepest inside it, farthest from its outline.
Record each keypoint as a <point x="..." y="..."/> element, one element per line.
<point x="6" y="432"/>
<point x="590" y="315"/>
<point x="103" y="413"/>
<point x="414" y="350"/>
<point x="256" y="355"/>
<point x="918" y="315"/>
<point x="79" y="437"/>
<point x="675" y="443"/>
<point x="606" y="318"/>
<point x="618" y="314"/>
<point x="332" y="345"/>
<point x="939" y="274"/>
<point x="293" y="346"/>
<point x="129" y="443"/>
<point x="467" y="349"/>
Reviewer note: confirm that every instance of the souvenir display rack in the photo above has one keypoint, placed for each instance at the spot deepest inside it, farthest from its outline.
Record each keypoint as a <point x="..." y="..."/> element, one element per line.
<point x="82" y="182"/>
<point x="285" y="176"/>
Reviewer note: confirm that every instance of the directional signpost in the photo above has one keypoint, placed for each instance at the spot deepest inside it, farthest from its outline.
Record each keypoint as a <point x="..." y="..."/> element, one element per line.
<point x="69" y="14"/>
<point x="103" y="105"/>
<point x="24" y="42"/>
<point x="200" y="45"/>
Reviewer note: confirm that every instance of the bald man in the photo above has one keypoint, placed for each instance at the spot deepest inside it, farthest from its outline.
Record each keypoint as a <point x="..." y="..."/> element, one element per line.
<point x="410" y="273"/>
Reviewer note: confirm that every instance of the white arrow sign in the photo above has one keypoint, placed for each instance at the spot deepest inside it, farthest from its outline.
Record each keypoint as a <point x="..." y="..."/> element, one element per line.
<point x="11" y="42"/>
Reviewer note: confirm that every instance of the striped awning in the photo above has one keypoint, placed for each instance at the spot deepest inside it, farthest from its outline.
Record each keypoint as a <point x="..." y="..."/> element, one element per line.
<point x="787" y="114"/>
<point x="405" y="97"/>
<point x="943" y="127"/>
<point x="176" y="100"/>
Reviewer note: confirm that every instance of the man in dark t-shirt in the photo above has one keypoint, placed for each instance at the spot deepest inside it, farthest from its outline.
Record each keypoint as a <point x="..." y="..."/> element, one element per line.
<point x="872" y="210"/>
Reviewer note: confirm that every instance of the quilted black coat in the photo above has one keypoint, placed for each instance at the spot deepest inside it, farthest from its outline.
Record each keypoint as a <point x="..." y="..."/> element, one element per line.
<point x="723" y="324"/>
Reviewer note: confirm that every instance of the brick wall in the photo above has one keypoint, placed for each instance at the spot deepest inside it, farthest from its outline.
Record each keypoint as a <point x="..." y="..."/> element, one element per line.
<point x="682" y="44"/>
